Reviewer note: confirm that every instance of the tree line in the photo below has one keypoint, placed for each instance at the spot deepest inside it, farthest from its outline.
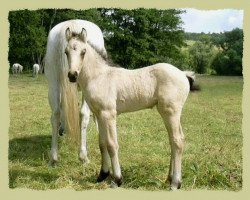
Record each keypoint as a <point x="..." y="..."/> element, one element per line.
<point x="216" y="53"/>
<point x="133" y="38"/>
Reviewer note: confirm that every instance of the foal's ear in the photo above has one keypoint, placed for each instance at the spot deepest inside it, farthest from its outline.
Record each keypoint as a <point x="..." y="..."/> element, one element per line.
<point x="68" y="34"/>
<point x="83" y="35"/>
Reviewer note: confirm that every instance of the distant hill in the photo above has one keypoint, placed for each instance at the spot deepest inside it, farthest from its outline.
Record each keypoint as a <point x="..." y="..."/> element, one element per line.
<point x="202" y="36"/>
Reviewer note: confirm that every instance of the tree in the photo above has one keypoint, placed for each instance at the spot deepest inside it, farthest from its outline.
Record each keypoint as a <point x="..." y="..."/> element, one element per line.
<point x="134" y="38"/>
<point x="229" y="60"/>
<point x="27" y="38"/>
<point x="201" y="54"/>
<point x="141" y="37"/>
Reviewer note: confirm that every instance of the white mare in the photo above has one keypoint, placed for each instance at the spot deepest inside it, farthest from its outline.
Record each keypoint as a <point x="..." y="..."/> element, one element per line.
<point x="110" y="91"/>
<point x="17" y="68"/>
<point x="62" y="95"/>
<point x="35" y="70"/>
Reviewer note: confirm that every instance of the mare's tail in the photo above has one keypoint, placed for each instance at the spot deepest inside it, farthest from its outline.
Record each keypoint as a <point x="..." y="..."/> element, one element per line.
<point x="69" y="95"/>
<point x="70" y="106"/>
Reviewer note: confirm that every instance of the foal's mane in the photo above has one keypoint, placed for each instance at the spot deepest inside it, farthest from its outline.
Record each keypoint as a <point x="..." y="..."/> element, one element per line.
<point x="104" y="57"/>
<point x="99" y="51"/>
<point x="102" y="54"/>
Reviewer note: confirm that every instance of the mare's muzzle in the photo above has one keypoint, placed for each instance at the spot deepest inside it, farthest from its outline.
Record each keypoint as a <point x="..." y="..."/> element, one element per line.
<point x="72" y="76"/>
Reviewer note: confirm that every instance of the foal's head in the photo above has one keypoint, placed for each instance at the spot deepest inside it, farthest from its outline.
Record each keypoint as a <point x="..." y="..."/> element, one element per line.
<point x="75" y="51"/>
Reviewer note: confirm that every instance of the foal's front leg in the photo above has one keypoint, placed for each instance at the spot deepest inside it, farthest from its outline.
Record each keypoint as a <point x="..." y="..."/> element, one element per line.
<point x="109" y="146"/>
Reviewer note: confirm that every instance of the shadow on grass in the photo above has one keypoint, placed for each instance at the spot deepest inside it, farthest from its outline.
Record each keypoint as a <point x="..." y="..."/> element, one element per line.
<point x="27" y="153"/>
<point x="44" y="178"/>
<point x="29" y="162"/>
<point x="34" y="148"/>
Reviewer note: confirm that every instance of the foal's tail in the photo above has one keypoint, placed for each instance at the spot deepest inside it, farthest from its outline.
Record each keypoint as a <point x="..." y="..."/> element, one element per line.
<point x="191" y="78"/>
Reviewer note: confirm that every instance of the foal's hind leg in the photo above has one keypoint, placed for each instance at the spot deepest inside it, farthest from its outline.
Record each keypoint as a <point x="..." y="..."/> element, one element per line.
<point x="171" y="116"/>
<point x="55" y="122"/>
<point x="85" y="115"/>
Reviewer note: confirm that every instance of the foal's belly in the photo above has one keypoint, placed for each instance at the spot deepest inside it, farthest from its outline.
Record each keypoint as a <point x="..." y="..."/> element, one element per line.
<point x="134" y="103"/>
<point x="136" y="91"/>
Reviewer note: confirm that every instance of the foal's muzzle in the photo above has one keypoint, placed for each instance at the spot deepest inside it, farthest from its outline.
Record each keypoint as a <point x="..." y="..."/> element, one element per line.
<point x="72" y="76"/>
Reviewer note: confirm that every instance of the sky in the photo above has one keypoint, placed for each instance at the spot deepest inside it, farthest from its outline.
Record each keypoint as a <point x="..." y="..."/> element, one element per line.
<point x="213" y="21"/>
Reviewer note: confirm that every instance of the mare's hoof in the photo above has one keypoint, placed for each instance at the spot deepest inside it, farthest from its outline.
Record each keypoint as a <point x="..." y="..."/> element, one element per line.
<point x="84" y="159"/>
<point x="61" y="131"/>
<point x="53" y="163"/>
<point x="102" y="176"/>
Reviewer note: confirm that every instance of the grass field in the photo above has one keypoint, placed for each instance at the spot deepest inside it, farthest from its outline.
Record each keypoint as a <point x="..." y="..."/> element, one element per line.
<point x="211" y="122"/>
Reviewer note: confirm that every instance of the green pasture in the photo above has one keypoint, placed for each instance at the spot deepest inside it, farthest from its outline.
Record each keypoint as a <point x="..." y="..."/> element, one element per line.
<point x="211" y="122"/>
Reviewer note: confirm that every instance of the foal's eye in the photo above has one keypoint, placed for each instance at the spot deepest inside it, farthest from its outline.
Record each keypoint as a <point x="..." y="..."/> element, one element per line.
<point x="83" y="52"/>
<point x="66" y="52"/>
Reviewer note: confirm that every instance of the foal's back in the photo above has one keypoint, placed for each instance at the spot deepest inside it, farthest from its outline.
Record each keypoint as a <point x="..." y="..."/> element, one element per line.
<point x="143" y="88"/>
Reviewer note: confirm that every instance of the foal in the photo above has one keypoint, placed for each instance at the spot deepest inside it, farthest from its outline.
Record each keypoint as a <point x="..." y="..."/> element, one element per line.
<point x="110" y="91"/>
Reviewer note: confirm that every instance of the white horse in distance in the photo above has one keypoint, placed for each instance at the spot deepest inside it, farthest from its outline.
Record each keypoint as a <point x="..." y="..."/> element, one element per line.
<point x="110" y="91"/>
<point x="63" y="94"/>
<point x="35" y="70"/>
<point x="17" y="68"/>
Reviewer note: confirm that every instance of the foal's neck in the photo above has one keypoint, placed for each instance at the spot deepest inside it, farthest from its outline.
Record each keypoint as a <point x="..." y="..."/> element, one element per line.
<point x="93" y="66"/>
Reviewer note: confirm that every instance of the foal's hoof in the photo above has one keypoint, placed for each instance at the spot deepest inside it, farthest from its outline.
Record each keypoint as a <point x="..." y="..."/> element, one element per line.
<point x="169" y="179"/>
<point x="175" y="186"/>
<point x="119" y="181"/>
<point x="102" y="176"/>
<point x="116" y="182"/>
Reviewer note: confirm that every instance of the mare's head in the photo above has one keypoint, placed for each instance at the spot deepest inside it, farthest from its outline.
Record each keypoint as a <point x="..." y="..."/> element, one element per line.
<point x="75" y="51"/>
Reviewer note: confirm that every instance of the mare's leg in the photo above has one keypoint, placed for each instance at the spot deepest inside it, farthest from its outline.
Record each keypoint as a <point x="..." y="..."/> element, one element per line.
<point x="85" y="114"/>
<point x="96" y="122"/>
<point x="108" y="144"/>
<point x="171" y="116"/>
<point x="54" y="101"/>
<point x="62" y="127"/>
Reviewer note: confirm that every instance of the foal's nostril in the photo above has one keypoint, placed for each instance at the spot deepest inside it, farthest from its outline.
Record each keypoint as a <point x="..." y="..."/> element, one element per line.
<point x="72" y="76"/>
